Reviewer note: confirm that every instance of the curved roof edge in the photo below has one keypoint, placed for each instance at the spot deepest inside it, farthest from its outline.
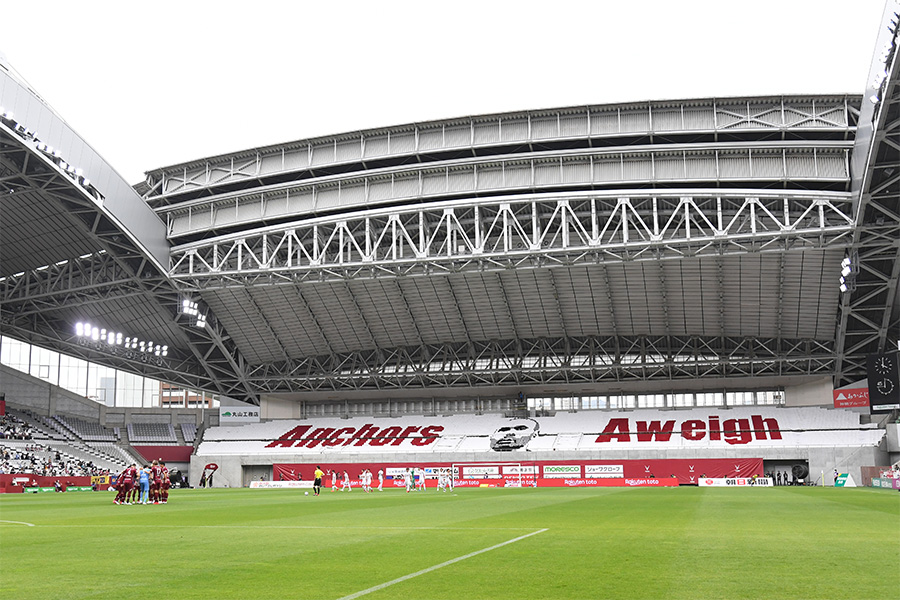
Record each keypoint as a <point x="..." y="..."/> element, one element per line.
<point x="120" y="201"/>
<point x="483" y="116"/>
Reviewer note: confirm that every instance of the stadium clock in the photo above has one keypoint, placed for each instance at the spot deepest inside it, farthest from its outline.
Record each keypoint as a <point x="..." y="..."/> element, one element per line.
<point x="885" y="387"/>
<point x="883" y="365"/>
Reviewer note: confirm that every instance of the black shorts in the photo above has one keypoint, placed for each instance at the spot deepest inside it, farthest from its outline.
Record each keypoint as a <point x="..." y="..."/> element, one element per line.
<point x="317" y="482"/>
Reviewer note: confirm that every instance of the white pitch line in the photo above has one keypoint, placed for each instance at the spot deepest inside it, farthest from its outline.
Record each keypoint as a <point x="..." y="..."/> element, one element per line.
<point x="436" y="567"/>
<point x="18" y="523"/>
<point x="349" y="527"/>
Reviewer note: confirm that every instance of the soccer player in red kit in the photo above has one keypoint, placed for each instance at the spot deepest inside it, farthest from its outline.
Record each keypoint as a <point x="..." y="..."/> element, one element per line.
<point x="126" y="483"/>
<point x="155" y="482"/>
<point x="164" y="490"/>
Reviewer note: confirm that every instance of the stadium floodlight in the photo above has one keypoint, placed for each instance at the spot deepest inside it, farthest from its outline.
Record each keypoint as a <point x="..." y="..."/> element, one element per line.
<point x="79" y="329"/>
<point x="843" y="287"/>
<point x="165" y="350"/>
<point x="118" y="338"/>
<point x="86" y="182"/>
<point x="95" y="334"/>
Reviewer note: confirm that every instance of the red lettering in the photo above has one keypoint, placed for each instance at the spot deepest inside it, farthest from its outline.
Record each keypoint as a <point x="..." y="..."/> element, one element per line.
<point x="365" y="433"/>
<point x="761" y="426"/>
<point x="737" y="431"/>
<point x="386" y="436"/>
<point x="404" y="435"/>
<point x="317" y="437"/>
<point x="715" y="433"/>
<point x="609" y="432"/>
<point x="693" y="430"/>
<point x="288" y="439"/>
<point x="647" y="430"/>
<point x="336" y="438"/>
<point x="429" y="435"/>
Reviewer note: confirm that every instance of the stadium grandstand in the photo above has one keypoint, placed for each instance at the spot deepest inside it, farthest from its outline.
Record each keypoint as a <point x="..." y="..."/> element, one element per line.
<point x="647" y="290"/>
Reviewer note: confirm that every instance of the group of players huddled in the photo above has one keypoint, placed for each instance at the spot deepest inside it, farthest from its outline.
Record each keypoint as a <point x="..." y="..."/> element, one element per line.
<point x="147" y="485"/>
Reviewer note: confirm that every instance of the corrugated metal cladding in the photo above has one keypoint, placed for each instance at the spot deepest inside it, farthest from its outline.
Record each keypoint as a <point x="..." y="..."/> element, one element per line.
<point x="762" y="295"/>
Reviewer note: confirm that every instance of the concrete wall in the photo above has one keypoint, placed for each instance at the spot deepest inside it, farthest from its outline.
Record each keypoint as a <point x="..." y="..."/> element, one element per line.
<point x="814" y="393"/>
<point x="277" y="408"/>
<point x="120" y="417"/>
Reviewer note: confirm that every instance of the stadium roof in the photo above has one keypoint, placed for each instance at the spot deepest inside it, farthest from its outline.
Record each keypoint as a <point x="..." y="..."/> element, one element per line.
<point x="652" y="246"/>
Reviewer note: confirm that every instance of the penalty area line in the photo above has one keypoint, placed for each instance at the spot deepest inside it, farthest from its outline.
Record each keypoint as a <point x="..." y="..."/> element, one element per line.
<point x="18" y="523"/>
<point x="439" y="566"/>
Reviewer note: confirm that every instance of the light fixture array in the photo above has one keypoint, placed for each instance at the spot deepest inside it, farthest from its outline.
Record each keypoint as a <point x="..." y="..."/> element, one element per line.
<point x="192" y="308"/>
<point x="53" y="154"/>
<point x="849" y="271"/>
<point x="116" y="339"/>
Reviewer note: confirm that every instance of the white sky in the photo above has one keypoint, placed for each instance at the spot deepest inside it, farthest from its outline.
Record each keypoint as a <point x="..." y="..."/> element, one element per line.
<point x="150" y="84"/>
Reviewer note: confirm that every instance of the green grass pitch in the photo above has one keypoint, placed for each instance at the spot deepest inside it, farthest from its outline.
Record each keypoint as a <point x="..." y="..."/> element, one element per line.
<point x="596" y="543"/>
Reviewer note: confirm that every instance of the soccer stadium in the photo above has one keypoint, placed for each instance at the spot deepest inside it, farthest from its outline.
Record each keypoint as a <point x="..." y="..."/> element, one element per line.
<point x="523" y="353"/>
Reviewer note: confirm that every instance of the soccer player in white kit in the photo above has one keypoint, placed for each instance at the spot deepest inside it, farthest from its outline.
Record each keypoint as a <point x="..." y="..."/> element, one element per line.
<point x="380" y="480"/>
<point x="421" y="485"/>
<point x="333" y="480"/>
<point x="346" y="485"/>
<point x="408" y="479"/>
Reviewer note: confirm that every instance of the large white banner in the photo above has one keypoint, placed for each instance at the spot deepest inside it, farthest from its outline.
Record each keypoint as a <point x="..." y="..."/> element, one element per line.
<point x="597" y="431"/>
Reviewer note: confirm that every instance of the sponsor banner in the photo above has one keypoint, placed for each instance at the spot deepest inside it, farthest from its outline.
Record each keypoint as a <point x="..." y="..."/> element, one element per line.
<point x="851" y="398"/>
<point x="100" y="480"/>
<point x="883" y="482"/>
<point x="735" y="482"/>
<point x="683" y="470"/>
<point x="844" y="480"/>
<point x="17" y="483"/>
<point x="520" y="470"/>
<point x="230" y="415"/>
<point x="602" y="471"/>
<point x="269" y="485"/>
<point x="561" y="471"/>
<point x="469" y="470"/>
<point x="35" y="490"/>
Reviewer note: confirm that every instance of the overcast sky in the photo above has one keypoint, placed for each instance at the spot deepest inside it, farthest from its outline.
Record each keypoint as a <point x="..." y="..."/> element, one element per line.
<point x="156" y="83"/>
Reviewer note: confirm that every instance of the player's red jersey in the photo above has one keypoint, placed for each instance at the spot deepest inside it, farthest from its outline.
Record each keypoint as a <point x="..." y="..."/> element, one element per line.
<point x="165" y="476"/>
<point x="129" y="475"/>
<point x="155" y="473"/>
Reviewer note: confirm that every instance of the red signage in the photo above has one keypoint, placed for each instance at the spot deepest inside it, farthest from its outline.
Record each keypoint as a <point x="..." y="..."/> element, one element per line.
<point x="732" y="431"/>
<point x="304" y="436"/>
<point x="851" y="398"/>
